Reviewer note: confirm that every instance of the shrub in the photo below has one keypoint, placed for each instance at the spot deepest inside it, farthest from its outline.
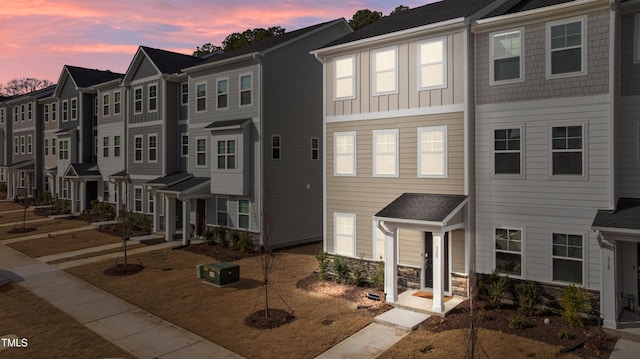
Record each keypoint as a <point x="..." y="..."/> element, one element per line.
<point x="565" y="335"/>
<point x="102" y="210"/>
<point x="341" y="270"/>
<point x="234" y="240"/>
<point x="323" y="264"/>
<point x="496" y="288"/>
<point x="518" y="322"/>
<point x="357" y="272"/>
<point x="3" y="187"/>
<point x="137" y="221"/>
<point x="528" y="298"/>
<point x="573" y="302"/>
<point x="208" y="236"/>
<point x="220" y="235"/>
<point x="245" y="244"/>
<point x="378" y="278"/>
<point x="485" y="315"/>
<point x="42" y="198"/>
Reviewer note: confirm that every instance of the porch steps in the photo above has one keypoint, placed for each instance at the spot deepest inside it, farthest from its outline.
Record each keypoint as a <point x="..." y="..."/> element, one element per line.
<point x="407" y="320"/>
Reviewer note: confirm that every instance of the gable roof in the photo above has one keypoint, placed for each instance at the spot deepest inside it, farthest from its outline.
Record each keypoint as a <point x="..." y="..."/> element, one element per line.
<point x="82" y="170"/>
<point x="422" y="207"/>
<point x="84" y="77"/>
<point x="515" y="6"/>
<point x="169" y="62"/>
<point x="625" y="216"/>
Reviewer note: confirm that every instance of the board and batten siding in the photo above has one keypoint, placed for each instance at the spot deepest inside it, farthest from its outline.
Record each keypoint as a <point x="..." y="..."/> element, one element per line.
<point x="537" y="202"/>
<point x="408" y="96"/>
<point x="627" y="147"/>
<point x="365" y="195"/>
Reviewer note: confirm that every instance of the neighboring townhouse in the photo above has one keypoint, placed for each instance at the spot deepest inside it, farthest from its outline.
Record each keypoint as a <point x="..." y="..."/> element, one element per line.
<point x="399" y="152"/>
<point x="5" y="142"/>
<point x="49" y="144"/>
<point x="254" y="139"/>
<point x="156" y="119"/>
<point x="545" y="114"/>
<point x="25" y="166"/>
<point x="78" y="178"/>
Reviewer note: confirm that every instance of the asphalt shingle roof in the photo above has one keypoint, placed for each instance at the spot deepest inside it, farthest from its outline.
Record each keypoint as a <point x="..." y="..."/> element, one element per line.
<point x="85" y="169"/>
<point x="170" y="62"/>
<point x="226" y="123"/>
<point x="170" y="179"/>
<point x="84" y="77"/>
<point x="626" y="215"/>
<point x="422" y="206"/>
<point x="515" y="6"/>
<point x="186" y="185"/>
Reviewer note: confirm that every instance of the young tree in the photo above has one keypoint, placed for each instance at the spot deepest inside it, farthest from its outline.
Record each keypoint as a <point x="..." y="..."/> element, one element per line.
<point x="399" y="9"/>
<point x="206" y="49"/>
<point x="238" y="40"/>
<point x="363" y="18"/>
<point x="23" y="85"/>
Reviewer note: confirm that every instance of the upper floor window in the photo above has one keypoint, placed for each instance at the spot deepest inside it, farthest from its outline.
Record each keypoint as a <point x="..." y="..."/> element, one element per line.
<point x="63" y="149"/>
<point x="222" y="93"/>
<point x="22" y="112"/>
<point x="385" y="153"/>
<point x="508" y="250"/>
<point x="506" y="57"/>
<point x="153" y="148"/>
<point x="275" y="147"/>
<point x="152" y="104"/>
<point x="29" y="111"/>
<point x="566" y="47"/>
<point x="184" y="93"/>
<point x="137" y="100"/>
<point x="246" y="89"/>
<point x="65" y="111"/>
<point x="137" y="148"/>
<point x="46" y="147"/>
<point x="117" y="103"/>
<point x="432" y="63"/>
<point x="23" y="148"/>
<point x="16" y="145"/>
<point x="184" y="145"/>
<point x="74" y="109"/>
<point x="29" y="144"/>
<point x="2" y="114"/>
<point x="105" y="105"/>
<point x="385" y="67"/>
<point x="226" y="154"/>
<point x="53" y="147"/>
<point x="567" y="149"/>
<point x="567" y="258"/>
<point x="344" y="153"/>
<point x="15" y="113"/>
<point x="116" y="146"/>
<point x="507" y="151"/>
<point x="54" y="107"/>
<point x="105" y="146"/>
<point x="432" y="151"/>
<point x="45" y="109"/>
<point x="201" y="152"/>
<point x="315" y="148"/>
<point x="201" y="97"/>
<point x="345" y="80"/>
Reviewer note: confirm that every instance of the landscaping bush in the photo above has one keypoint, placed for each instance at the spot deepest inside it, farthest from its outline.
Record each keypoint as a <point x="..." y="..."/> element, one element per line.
<point x="573" y="303"/>
<point x="377" y="280"/>
<point x="496" y="287"/>
<point x="137" y="221"/>
<point x="42" y="198"/>
<point x="518" y="322"/>
<point x="234" y="239"/>
<point x="341" y="270"/>
<point x="102" y="210"/>
<point x="358" y="271"/>
<point x="220" y="236"/>
<point x="245" y="244"/>
<point x="528" y="298"/>
<point x="323" y="264"/>
<point x="209" y="236"/>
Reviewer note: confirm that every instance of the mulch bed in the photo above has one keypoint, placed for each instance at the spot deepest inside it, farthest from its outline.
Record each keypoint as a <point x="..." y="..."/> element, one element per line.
<point x="152" y="241"/>
<point x="116" y="230"/>
<point x="120" y="269"/>
<point x="225" y="254"/>
<point x="276" y="318"/>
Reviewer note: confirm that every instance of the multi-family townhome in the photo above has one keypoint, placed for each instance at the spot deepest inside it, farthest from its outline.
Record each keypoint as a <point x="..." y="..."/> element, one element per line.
<point x="5" y="143"/>
<point x="49" y="144"/>
<point x="544" y="136"/>
<point x="156" y="119"/>
<point x="25" y="167"/>
<point x="398" y="144"/>
<point x="254" y="139"/>
<point x="77" y="176"/>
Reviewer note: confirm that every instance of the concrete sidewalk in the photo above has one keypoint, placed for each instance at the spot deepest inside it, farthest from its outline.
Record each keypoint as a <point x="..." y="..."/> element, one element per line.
<point x="125" y="325"/>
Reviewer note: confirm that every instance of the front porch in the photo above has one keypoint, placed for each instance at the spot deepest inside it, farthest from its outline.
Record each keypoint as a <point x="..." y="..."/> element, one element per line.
<point x="419" y="301"/>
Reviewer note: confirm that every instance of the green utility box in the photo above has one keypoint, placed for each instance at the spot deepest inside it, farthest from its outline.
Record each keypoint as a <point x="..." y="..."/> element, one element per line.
<point x="221" y="273"/>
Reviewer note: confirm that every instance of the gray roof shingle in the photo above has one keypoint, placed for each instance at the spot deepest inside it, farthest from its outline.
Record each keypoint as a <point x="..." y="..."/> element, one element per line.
<point x="515" y="6"/>
<point x="625" y="216"/>
<point x="170" y="62"/>
<point x="84" y="77"/>
<point x="422" y="206"/>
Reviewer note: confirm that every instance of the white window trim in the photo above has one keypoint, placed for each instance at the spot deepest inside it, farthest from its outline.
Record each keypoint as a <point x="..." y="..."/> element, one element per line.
<point x="182" y="135"/>
<point x="218" y="210"/>
<point x="353" y="77"/>
<point x="507" y="126"/>
<point x="64" y="151"/>
<point x="585" y="147"/>
<point x="205" y="154"/>
<point x="353" y="233"/>
<point x="119" y="102"/>
<point x="240" y="90"/>
<point x="46" y="148"/>
<point x="151" y="201"/>
<point x="141" y="149"/>
<point x="199" y="97"/>
<point x="149" y="147"/>
<point x="374" y="153"/>
<point x="375" y="72"/>
<point x="238" y="212"/>
<point x="225" y="93"/>
<point x="23" y="145"/>
<point x="45" y="111"/>
<point x="136" y="112"/>
<point x="29" y="144"/>
<point x="445" y="152"/>
<point x="182" y="93"/>
<point x="54" y="109"/>
<point x="118" y="146"/>
<point x="73" y="116"/>
<point x="16" y="145"/>
<point x="106" y="105"/>
<point x="64" y="113"/>
<point x="636" y="39"/>
<point x="238" y="160"/>
<point x="585" y="240"/>
<point x="584" y="46"/>
<point x="135" y="189"/>
<point x="355" y="154"/>
<point x="444" y="64"/>
<point x="273" y="137"/>
<point x="149" y="110"/>
<point x="492" y="59"/>
<point x="523" y="248"/>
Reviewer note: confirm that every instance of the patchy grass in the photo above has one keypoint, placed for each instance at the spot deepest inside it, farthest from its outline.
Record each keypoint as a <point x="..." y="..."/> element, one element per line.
<point x="17" y="217"/>
<point x="64" y="242"/>
<point x="50" y="332"/>
<point x="130" y="245"/>
<point x="9" y="206"/>
<point x="41" y="227"/>
<point x="168" y="287"/>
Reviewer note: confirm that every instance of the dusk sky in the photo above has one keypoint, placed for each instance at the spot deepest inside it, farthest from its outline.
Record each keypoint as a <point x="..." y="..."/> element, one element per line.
<point x="39" y="37"/>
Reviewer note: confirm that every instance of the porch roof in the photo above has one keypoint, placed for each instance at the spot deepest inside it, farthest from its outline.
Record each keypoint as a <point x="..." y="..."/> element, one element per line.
<point x="121" y="174"/>
<point x="191" y="186"/>
<point x="625" y="218"/>
<point x="423" y="209"/>
<point x="228" y="124"/>
<point x="169" y="180"/>
<point x="82" y="170"/>
<point x="22" y="165"/>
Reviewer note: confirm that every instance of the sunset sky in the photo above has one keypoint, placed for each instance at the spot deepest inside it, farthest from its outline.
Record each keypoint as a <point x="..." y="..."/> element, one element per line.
<point x="39" y="37"/>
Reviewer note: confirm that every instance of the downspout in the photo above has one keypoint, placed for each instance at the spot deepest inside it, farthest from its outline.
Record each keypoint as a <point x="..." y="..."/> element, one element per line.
<point x="260" y="196"/>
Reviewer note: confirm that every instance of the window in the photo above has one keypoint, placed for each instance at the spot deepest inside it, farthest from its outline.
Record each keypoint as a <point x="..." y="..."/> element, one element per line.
<point x="21" y="184"/>
<point x="23" y="147"/>
<point x="184" y="145"/>
<point x="246" y="89"/>
<point x="315" y="148"/>
<point x="54" y="107"/>
<point x="184" y="93"/>
<point x="344" y="233"/>
<point x="506" y="57"/>
<point x="567" y="258"/>
<point x="226" y="154"/>
<point x="509" y="251"/>
<point x="46" y="147"/>
<point x="116" y="146"/>
<point x="29" y="144"/>
<point x="345" y="153"/>
<point x="105" y="105"/>
<point x="345" y="81"/>
<point x="65" y="187"/>
<point x="201" y="97"/>
<point x="567" y="150"/>
<point x="507" y="151"/>
<point x="432" y="64"/>
<point x="64" y="150"/>
<point x="379" y="239"/>
<point x="222" y="211"/>
<point x="201" y="152"/>
<point x="151" y="202"/>
<point x="16" y="145"/>
<point x="53" y="147"/>
<point x="46" y="113"/>
<point x="117" y="103"/>
<point x="566" y="53"/>
<point x="243" y="213"/>
<point x="15" y="113"/>
<point x="29" y="111"/>
<point x="432" y="155"/>
<point x="74" y="109"/>
<point x="275" y="147"/>
<point x="152" y="104"/>
<point x="105" y="191"/>
<point x="105" y="147"/>
<point x="385" y="153"/>
<point x="385" y="64"/>
<point x="153" y="148"/>
<point x="137" y="199"/>
<point x="65" y="111"/>
<point x="22" y="111"/>
<point x="636" y="43"/>
<point x="223" y="93"/>
<point x="137" y="148"/>
<point x="137" y="100"/>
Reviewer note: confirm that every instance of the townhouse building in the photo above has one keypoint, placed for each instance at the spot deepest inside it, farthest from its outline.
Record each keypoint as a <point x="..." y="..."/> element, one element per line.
<point x="5" y="130"/>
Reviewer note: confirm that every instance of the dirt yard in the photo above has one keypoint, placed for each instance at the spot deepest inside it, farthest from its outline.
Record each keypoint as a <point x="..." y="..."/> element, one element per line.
<point x="65" y="242"/>
<point x="41" y="227"/>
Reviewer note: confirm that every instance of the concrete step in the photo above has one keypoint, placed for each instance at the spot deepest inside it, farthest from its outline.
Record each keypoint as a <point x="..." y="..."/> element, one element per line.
<point x="402" y="319"/>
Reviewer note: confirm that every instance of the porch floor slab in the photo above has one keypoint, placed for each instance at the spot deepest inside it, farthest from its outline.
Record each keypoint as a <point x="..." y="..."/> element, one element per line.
<point x="402" y="319"/>
<point x="407" y="300"/>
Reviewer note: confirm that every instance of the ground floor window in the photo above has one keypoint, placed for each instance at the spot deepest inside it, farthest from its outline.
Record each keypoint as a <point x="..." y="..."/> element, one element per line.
<point x="105" y="191"/>
<point x="65" y="188"/>
<point x="137" y="199"/>
<point x="344" y="233"/>
<point x="509" y="251"/>
<point x="223" y="216"/>
<point x="567" y="258"/>
<point x="151" y="202"/>
<point x="243" y="213"/>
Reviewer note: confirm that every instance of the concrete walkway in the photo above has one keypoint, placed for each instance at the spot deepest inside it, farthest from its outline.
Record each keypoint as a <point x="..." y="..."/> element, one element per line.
<point x="100" y="258"/>
<point x="125" y="325"/>
<point x="625" y="349"/>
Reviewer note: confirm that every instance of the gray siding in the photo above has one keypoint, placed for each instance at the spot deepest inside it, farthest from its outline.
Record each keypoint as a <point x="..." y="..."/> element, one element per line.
<point x="145" y="69"/>
<point x="172" y="133"/>
<point x="145" y="167"/>
<point x="630" y="70"/>
<point x="627" y="147"/>
<point x="145" y="115"/>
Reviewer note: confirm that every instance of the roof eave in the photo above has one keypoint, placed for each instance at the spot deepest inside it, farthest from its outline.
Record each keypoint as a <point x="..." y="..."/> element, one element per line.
<point x="214" y="64"/>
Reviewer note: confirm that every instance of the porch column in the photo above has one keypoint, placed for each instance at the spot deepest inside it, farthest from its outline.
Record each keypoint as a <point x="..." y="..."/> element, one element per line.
<point x="391" y="266"/>
<point x="156" y="211"/>
<point x="52" y="187"/>
<point x="609" y="292"/>
<point x="118" y="196"/>
<point x="83" y="194"/>
<point x="73" y="184"/>
<point x="438" y="272"/>
<point x="186" y="221"/>
<point x="169" y="218"/>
